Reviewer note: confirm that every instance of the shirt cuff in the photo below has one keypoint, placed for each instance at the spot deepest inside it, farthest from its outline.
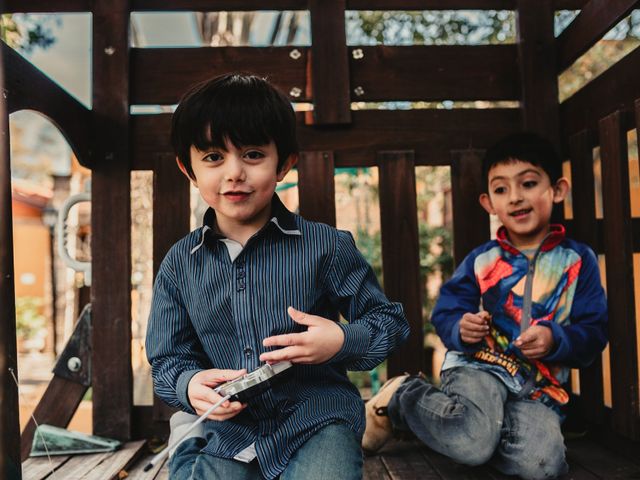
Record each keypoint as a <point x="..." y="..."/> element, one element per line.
<point x="356" y="342"/>
<point x="182" y="389"/>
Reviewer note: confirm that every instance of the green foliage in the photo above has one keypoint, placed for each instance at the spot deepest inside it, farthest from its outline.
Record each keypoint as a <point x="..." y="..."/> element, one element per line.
<point x="29" y="317"/>
<point x="27" y="32"/>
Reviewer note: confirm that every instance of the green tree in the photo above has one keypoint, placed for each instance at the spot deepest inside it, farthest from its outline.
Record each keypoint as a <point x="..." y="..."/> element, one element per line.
<point x="27" y="32"/>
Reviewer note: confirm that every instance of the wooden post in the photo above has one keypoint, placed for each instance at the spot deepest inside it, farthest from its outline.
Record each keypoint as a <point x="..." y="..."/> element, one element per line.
<point x="536" y="51"/>
<point x="618" y="246"/>
<point x="111" y="222"/>
<point x="329" y="79"/>
<point x="586" y="231"/>
<point x="401" y="252"/>
<point x="470" y="221"/>
<point x="10" y="466"/>
<point x="316" y="187"/>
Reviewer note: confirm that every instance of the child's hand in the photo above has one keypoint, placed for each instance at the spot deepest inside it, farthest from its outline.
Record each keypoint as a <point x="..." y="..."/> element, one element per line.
<point x="474" y="326"/>
<point x="535" y="342"/>
<point x="202" y="396"/>
<point x="322" y="340"/>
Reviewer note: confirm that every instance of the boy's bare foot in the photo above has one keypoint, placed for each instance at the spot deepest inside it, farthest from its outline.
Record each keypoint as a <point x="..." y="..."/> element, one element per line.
<point x="378" y="430"/>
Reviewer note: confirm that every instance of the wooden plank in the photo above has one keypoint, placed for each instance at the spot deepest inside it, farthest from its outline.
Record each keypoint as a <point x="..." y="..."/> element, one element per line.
<point x="316" y="187"/>
<point x="620" y="290"/>
<point x="39" y="468"/>
<point x="431" y="133"/>
<point x="46" y="6"/>
<point x="447" y="469"/>
<point x="137" y="471"/>
<point x="616" y="89"/>
<point x="79" y="466"/>
<point x="585" y="229"/>
<point x="117" y="461"/>
<point x="56" y="407"/>
<point x="594" y="21"/>
<point x="400" y="252"/>
<point x="433" y="73"/>
<point x="328" y="64"/>
<point x="30" y="89"/>
<point x="409" y="465"/>
<point x="161" y="75"/>
<point x="233" y="5"/>
<point x="536" y="48"/>
<point x="171" y="213"/>
<point x="470" y="221"/>
<point x="600" y="461"/>
<point x="374" y="469"/>
<point x="111" y="223"/>
<point x="9" y="411"/>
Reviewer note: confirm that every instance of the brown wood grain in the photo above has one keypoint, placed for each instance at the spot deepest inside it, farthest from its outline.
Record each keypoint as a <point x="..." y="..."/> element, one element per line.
<point x="400" y="252"/>
<point x="316" y="187"/>
<point x="596" y="18"/>
<point x="111" y="223"/>
<point x="618" y="246"/>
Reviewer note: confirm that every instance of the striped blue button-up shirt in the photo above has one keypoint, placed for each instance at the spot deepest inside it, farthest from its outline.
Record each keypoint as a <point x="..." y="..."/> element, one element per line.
<point x="213" y="304"/>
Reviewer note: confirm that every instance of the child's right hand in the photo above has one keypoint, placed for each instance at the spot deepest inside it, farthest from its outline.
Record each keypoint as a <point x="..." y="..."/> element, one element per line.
<point x="202" y="396"/>
<point x="474" y="327"/>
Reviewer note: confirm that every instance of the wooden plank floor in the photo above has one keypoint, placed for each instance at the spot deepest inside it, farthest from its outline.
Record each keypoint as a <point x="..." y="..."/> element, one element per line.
<point x="398" y="461"/>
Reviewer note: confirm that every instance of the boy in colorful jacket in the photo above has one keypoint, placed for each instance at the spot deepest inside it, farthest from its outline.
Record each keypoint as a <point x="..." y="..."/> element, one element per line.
<point x="517" y="314"/>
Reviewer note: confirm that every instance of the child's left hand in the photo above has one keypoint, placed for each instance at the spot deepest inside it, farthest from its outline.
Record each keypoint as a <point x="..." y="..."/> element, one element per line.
<point x="322" y="340"/>
<point x="535" y="342"/>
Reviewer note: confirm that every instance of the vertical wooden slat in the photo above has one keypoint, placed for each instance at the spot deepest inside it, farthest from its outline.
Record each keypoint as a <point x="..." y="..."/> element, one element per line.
<point x="9" y="418"/>
<point x="400" y="251"/>
<point x="171" y="211"/>
<point x="316" y="187"/>
<point x="585" y="229"/>
<point x="111" y="222"/>
<point x="470" y="221"/>
<point x="329" y="79"/>
<point x="618" y="246"/>
<point x="536" y="51"/>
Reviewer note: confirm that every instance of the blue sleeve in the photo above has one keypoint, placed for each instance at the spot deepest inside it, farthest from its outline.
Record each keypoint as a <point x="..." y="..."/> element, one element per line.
<point x="173" y="348"/>
<point x="459" y="295"/>
<point x="579" y="343"/>
<point x="376" y="326"/>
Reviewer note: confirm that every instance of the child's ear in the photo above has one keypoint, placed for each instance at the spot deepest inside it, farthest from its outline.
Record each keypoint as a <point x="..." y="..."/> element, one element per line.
<point x="289" y="163"/>
<point x="485" y="201"/>
<point x="186" y="173"/>
<point x="560" y="190"/>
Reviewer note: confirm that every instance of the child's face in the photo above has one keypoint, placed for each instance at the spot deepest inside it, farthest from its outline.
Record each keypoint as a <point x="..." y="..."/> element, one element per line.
<point x="522" y="197"/>
<point x="238" y="183"/>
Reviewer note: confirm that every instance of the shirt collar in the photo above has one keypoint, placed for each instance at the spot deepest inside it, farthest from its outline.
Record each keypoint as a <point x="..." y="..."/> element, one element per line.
<point x="280" y="217"/>
<point x="552" y="239"/>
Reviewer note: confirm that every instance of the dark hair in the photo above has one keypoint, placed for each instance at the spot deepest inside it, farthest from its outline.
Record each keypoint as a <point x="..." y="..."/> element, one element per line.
<point x="246" y="109"/>
<point x="526" y="147"/>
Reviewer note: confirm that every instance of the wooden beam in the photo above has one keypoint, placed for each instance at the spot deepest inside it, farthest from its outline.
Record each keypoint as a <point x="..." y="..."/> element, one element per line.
<point x="536" y="47"/>
<point x="46" y="6"/>
<point x="30" y="89"/>
<point x="431" y="133"/>
<point x="159" y="76"/>
<point x="329" y="65"/>
<point x="615" y="89"/>
<point x="401" y="252"/>
<point x="316" y="187"/>
<point x="111" y="222"/>
<point x="9" y="411"/>
<point x="248" y="5"/>
<point x="432" y="73"/>
<point x="618" y="245"/>
<point x="171" y="214"/>
<point x="593" y="22"/>
<point x="470" y="221"/>
<point x="585" y="229"/>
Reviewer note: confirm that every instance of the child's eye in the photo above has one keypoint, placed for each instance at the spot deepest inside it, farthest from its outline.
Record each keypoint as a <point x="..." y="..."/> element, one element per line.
<point x="213" y="157"/>
<point x="254" y="155"/>
<point x="530" y="184"/>
<point x="499" y="190"/>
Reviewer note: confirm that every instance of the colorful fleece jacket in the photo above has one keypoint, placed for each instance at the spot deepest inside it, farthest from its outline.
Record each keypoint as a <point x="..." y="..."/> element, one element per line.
<point x="559" y="288"/>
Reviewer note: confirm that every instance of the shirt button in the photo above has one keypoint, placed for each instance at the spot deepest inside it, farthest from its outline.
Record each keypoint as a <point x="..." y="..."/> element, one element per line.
<point x="248" y="351"/>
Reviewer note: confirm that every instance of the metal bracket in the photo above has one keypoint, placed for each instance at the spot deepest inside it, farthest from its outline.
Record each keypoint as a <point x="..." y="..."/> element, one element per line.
<point x="74" y="362"/>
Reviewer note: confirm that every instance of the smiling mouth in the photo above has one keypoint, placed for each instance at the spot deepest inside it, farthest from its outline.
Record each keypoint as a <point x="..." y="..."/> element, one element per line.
<point x="236" y="195"/>
<point x="520" y="213"/>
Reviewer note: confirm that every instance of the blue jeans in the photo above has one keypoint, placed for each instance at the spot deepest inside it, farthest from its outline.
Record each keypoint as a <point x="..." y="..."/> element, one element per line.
<point x="473" y="419"/>
<point x="333" y="452"/>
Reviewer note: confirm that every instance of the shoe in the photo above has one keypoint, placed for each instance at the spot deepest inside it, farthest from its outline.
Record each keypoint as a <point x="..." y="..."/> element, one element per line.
<point x="378" y="430"/>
